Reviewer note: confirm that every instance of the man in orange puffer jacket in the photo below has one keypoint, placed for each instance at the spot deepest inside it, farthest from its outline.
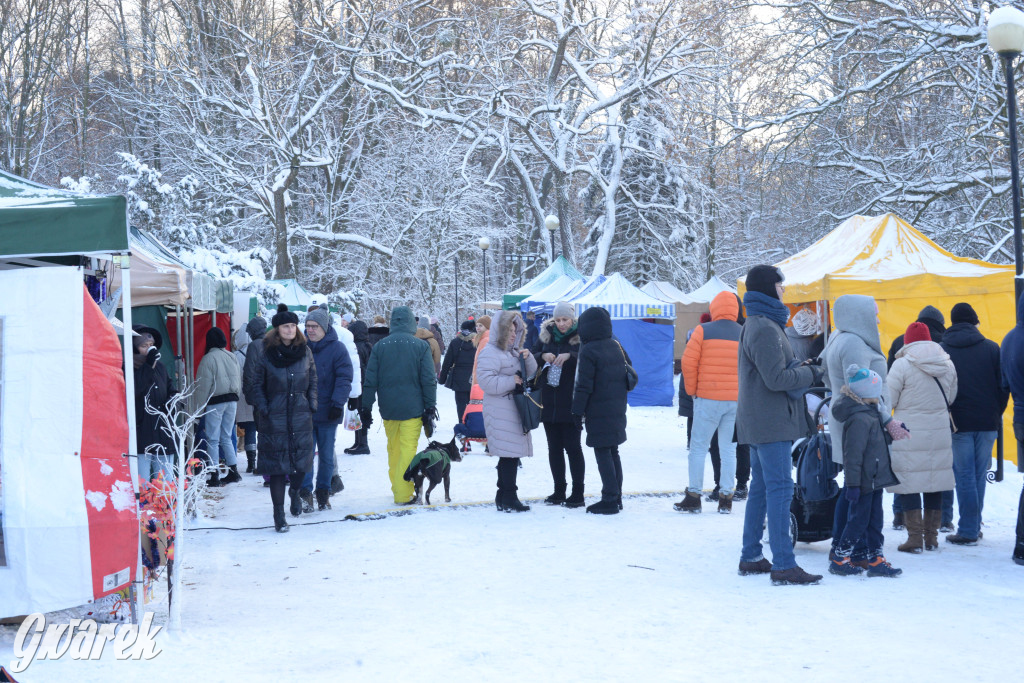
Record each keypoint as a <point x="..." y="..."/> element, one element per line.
<point x="711" y="376"/>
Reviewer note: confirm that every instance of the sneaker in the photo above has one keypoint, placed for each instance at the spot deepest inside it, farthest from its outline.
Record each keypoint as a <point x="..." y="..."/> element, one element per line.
<point x="761" y="566"/>
<point x="794" y="577"/>
<point x="841" y="566"/>
<point x="690" y="503"/>
<point x="957" y="539"/>
<point x="947" y="527"/>
<point x="879" y="566"/>
<point x="740" y="493"/>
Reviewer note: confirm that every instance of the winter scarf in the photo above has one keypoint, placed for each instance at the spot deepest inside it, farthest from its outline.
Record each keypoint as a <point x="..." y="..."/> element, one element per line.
<point x="770" y="307"/>
<point x="560" y="337"/>
<point x="281" y="356"/>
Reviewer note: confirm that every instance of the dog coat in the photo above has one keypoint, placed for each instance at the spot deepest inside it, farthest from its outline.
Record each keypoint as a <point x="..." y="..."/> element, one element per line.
<point x="431" y="457"/>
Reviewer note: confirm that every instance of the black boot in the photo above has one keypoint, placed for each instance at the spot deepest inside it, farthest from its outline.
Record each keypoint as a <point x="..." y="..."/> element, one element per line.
<point x="605" y="507"/>
<point x="214" y="480"/>
<point x="337" y="485"/>
<point x="296" y="502"/>
<point x="558" y="497"/>
<point x="323" y="499"/>
<point x="360" y="447"/>
<point x="232" y="477"/>
<point x="280" y="523"/>
<point x="575" y="499"/>
<point x="250" y="466"/>
<point x="512" y="503"/>
<point x="307" y="501"/>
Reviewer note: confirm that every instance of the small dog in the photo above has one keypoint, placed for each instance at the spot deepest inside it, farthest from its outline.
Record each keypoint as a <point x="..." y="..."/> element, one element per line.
<point x="434" y="463"/>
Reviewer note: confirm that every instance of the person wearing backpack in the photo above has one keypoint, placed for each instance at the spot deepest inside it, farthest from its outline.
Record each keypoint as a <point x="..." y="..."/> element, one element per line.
<point x="868" y="470"/>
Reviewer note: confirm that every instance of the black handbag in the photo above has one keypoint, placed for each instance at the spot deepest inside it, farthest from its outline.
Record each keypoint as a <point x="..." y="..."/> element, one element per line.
<point x="528" y="405"/>
<point x="632" y="379"/>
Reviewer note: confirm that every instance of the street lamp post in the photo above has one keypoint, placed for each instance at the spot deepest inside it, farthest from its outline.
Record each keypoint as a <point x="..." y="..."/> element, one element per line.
<point x="1006" y="38"/>
<point x="551" y="223"/>
<point x="457" y="320"/>
<point x="485" y="244"/>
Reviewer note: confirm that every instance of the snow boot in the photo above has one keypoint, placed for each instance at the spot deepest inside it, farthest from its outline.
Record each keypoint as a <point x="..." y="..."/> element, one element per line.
<point x="897" y="521"/>
<point x="323" y="499"/>
<point x="499" y="501"/>
<point x="605" y="507"/>
<point x="957" y="539"/>
<point x="879" y="566"/>
<point x="214" y="480"/>
<point x="232" y="477"/>
<point x="740" y="493"/>
<point x="724" y="504"/>
<point x="915" y="540"/>
<point x="794" y="577"/>
<point x="1018" y="554"/>
<point x="250" y="465"/>
<point x="296" y="503"/>
<point x="713" y="496"/>
<point x="762" y="566"/>
<point x="620" y="502"/>
<point x="558" y="497"/>
<point x="337" y="485"/>
<point x="512" y="503"/>
<point x="307" y="501"/>
<point x="932" y="519"/>
<point x="690" y="503"/>
<point x="280" y="523"/>
<point x="575" y="499"/>
<point x="840" y="565"/>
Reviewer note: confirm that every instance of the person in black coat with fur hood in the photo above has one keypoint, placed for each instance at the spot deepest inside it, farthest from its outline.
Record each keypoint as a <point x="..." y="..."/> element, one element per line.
<point x="556" y="350"/>
<point x="283" y="395"/>
<point x="457" y="368"/>
<point x="600" y="397"/>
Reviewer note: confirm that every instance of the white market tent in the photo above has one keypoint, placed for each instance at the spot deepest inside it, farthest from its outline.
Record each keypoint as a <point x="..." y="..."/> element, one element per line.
<point x="624" y="301"/>
<point x="666" y="291"/>
<point x="560" y="289"/>
<point x="707" y="291"/>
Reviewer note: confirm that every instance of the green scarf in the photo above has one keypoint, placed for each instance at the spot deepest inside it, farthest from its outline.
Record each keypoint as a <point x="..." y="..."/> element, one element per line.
<point x="559" y="337"/>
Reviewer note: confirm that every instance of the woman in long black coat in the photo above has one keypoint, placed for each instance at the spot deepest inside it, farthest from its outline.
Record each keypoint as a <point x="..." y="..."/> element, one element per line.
<point x="600" y="397"/>
<point x="458" y="366"/>
<point x="361" y="337"/>
<point x="558" y="344"/>
<point x="284" y="398"/>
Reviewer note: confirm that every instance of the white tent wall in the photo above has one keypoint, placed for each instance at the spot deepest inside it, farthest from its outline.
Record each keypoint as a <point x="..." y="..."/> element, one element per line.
<point x="48" y="556"/>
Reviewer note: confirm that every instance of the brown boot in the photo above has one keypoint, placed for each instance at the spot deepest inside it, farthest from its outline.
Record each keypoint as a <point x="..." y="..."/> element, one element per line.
<point x="915" y="525"/>
<point x="690" y="503"/>
<point x="932" y="520"/>
<point x="724" y="504"/>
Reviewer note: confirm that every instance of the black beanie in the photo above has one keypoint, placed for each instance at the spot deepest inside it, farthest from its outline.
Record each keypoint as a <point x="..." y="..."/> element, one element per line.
<point x="763" y="279"/>
<point x="215" y="339"/>
<point x="468" y="326"/>
<point x="284" y="316"/>
<point x="933" y="314"/>
<point x="963" y="313"/>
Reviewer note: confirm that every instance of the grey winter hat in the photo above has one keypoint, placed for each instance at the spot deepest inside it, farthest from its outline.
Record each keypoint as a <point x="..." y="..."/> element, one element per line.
<point x="564" y="309"/>
<point x="348" y="317"/>
<point x="423" y="321"/>
<point x="321" y="318"/>
<point x="932" y="313"/>
<point x="864" y="382"/>
<point x="257" y="327"/>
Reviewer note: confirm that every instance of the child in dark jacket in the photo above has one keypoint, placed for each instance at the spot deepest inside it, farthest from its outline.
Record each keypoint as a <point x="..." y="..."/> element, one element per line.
<point x="868" y="470"/>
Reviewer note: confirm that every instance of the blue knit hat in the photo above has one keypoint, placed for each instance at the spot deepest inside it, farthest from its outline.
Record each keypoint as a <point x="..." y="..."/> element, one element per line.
<point x="864" y="382"/>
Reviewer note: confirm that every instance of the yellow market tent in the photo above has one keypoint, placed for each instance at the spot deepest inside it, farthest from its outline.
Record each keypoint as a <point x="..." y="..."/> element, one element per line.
<point x="887" y="258"/>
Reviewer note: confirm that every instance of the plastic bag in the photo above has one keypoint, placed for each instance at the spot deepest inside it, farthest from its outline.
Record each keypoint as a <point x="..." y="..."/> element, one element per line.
<point x="554" y="375"/>
<point x="351" y="420"/>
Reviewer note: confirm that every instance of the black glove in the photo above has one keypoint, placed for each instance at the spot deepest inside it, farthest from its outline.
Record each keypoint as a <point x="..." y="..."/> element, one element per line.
<point x="429" y="418"/>
<point x="818" y="373"/>
<point x="366" y="415"/>
<point x="578" y="421"/>
<point x="334" y="413"/>
<point x="353" y="403"/>
<point x="813" y="361"/>
<point x="518" y="389"/>
<point x="152" y="356"/>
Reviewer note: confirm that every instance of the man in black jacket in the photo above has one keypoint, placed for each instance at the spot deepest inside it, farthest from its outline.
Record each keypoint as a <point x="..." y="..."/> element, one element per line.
<point x="977" y="410"/>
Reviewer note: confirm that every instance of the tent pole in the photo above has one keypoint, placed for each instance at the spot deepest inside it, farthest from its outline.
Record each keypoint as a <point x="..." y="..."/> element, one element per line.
<point x="124" y="260"/>
<point x="179" y="367"/>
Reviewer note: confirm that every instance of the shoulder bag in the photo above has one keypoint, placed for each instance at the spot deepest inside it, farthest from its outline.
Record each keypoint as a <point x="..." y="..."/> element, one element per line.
<point x="632" y="379"/>
<point x="952" y="424"/>
<point x="526" y="403"/>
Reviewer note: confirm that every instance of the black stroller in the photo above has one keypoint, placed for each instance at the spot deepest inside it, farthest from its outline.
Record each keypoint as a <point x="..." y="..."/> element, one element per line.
<point x="816" y="492"/>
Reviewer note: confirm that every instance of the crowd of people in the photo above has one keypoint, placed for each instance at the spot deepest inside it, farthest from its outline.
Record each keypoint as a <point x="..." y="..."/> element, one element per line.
<point x="919" y="424"/>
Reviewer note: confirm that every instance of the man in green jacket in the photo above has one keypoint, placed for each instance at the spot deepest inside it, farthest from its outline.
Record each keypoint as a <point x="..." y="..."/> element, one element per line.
<point x="401" y="373"/>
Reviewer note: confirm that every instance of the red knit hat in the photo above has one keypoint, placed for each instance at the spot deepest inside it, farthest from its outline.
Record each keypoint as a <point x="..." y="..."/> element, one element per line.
<point x="916" y="332"/>
<point x="705" y="318"/>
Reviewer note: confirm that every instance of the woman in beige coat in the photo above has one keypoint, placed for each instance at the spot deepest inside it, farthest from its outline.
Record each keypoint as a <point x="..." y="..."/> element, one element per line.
<point x="499" y="374"/>
<point x="924" y="462"/>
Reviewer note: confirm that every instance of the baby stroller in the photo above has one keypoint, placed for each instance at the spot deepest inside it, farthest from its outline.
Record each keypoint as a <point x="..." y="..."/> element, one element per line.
<point x="816" y="491"/>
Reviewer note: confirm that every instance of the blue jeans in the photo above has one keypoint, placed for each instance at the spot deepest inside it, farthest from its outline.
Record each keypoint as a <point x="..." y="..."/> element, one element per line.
<point x="947" y="507"/>
<point x="972" y="456"/>
<point x="324" y="435"/>
<point x="249" y="428"/>
<point x="220" y="424"/>
<point x="151" y="465"/>
<point x="839" y="523"/>
<point x="861" y="537"/>
<point x="771" y="494"/>
<point x="708" y="416"/>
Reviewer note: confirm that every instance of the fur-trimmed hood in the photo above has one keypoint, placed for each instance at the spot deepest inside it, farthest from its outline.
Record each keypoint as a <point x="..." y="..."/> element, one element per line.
<point x="547" y="330"/>
<point x="502" y="323"/>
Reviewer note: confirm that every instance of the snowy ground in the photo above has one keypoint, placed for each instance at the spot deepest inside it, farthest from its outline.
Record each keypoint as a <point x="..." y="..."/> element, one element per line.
<point x="554" y="594"/>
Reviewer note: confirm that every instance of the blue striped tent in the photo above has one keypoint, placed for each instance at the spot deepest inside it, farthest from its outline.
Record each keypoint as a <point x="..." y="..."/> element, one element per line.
<point x="624" y="301"/>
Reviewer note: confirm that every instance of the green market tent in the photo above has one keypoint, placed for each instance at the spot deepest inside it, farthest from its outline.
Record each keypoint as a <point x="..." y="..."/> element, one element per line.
<point x="295" y="295"/>
<point x="560" y="267"/>
<point x="40" y="221"/>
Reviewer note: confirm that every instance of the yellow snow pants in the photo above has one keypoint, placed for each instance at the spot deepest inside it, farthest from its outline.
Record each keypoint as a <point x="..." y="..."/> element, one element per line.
<point x="403" y="440"/>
